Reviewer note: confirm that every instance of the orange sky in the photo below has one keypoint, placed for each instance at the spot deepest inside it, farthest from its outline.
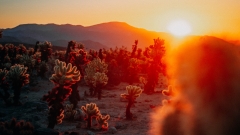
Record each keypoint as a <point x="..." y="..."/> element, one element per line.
<point x="220" y="17"/>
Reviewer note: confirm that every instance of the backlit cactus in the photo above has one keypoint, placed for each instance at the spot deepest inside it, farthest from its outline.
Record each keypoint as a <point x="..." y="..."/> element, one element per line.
<point x="100" y="79"/>
<point x="91" y="111"/>
<point x="18" y="74"/>
<point x="96" y="75"/>
<point x="102" y="121"/>
<point x="18" y="77"/>
<point x="133" y="93"/>
<point x="168" y="92"/>
<point x="27" y="61"/>
<point x="42" y="69"/>
<point x="60" y="117"/>
<point x="65" y="75"/>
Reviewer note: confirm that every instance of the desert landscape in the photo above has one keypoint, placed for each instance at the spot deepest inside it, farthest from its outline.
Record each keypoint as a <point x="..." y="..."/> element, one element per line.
<point x="119" y="67"/>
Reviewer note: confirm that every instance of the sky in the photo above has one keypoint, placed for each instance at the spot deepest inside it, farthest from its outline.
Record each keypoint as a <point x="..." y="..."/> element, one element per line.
<point x="206" y="17"/>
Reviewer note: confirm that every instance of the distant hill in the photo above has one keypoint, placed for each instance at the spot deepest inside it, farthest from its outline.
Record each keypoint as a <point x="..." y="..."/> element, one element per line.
<point x="104" y="35"/>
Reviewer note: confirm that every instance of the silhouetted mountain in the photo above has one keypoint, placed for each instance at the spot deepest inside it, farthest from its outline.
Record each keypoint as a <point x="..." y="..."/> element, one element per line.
<point x="109" y="34"/>
<point x="104" y="35"/>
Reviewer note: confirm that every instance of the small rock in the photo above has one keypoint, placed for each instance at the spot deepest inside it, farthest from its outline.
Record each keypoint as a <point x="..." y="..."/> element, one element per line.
<point x="90" y="133"/>
<point x="112" y="130"/>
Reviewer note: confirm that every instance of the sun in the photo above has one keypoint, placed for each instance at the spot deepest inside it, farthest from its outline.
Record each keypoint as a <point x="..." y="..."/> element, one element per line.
<point x="179" y="28"/>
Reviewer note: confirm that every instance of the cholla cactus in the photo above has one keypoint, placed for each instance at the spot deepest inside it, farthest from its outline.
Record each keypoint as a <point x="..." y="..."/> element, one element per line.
<point x="18" y="77"/>
<point x="102" y="121"/>
<point x="45" y="45"/>
<point x="133" y="93"/>
<point x="63" y="78"/>
<point x="96" y="74"/>
<point x="45" y="49"/>
<point x="30" y="51"/>
<point x="27" y="61"/>
<point x="133" y="69"/>
<point x="143" y="80"/>
<point x="69" y="111"/>
<point x="99" y="80"/>
<point x="65" y="75"/>
<point x="168" y="92"/>
<point x="60" y="55"/>
<point x="97" y="66"/>
<point x="91" y="110"/>
<point x="42" y="69"/>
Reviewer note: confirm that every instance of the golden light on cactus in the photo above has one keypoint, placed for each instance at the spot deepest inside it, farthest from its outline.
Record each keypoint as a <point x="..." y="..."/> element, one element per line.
<point x="102" y="121"/>
<point x="132" y="91"/>
<point x="93" y="67"/>
<point x="100" y="79"/>
<point x="168" y="92"/>
<point x="60" y="117"/>
<point x="18" y="73"/>
<point x="142" y="80"/>
<point x="65" y="75"/>
<point x="91" y="109"/>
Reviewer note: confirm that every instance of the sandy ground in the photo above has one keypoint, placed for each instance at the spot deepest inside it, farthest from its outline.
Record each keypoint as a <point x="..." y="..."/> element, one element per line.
<point x="111" y="104"/>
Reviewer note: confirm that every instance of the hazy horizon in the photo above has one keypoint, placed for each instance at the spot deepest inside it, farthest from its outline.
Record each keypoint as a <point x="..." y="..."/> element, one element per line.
<point x="205" y="17"/>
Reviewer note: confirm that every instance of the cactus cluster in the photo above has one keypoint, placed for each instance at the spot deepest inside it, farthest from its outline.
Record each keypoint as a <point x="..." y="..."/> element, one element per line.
<point x="132" y="93"/>
<point x="18" y="73"/>
<point x="102" y="121"/>
<point x="65" y="75"/>
<point x="15" y="127"/>
<point x="96" y="76"/>
<point x="91" y="111"/>
<point x="18" y="77"/>
<point x="27" y="60"/>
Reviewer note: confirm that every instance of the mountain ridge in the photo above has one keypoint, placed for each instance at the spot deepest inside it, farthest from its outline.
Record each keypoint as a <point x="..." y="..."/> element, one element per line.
<point x="103" y="35"/>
